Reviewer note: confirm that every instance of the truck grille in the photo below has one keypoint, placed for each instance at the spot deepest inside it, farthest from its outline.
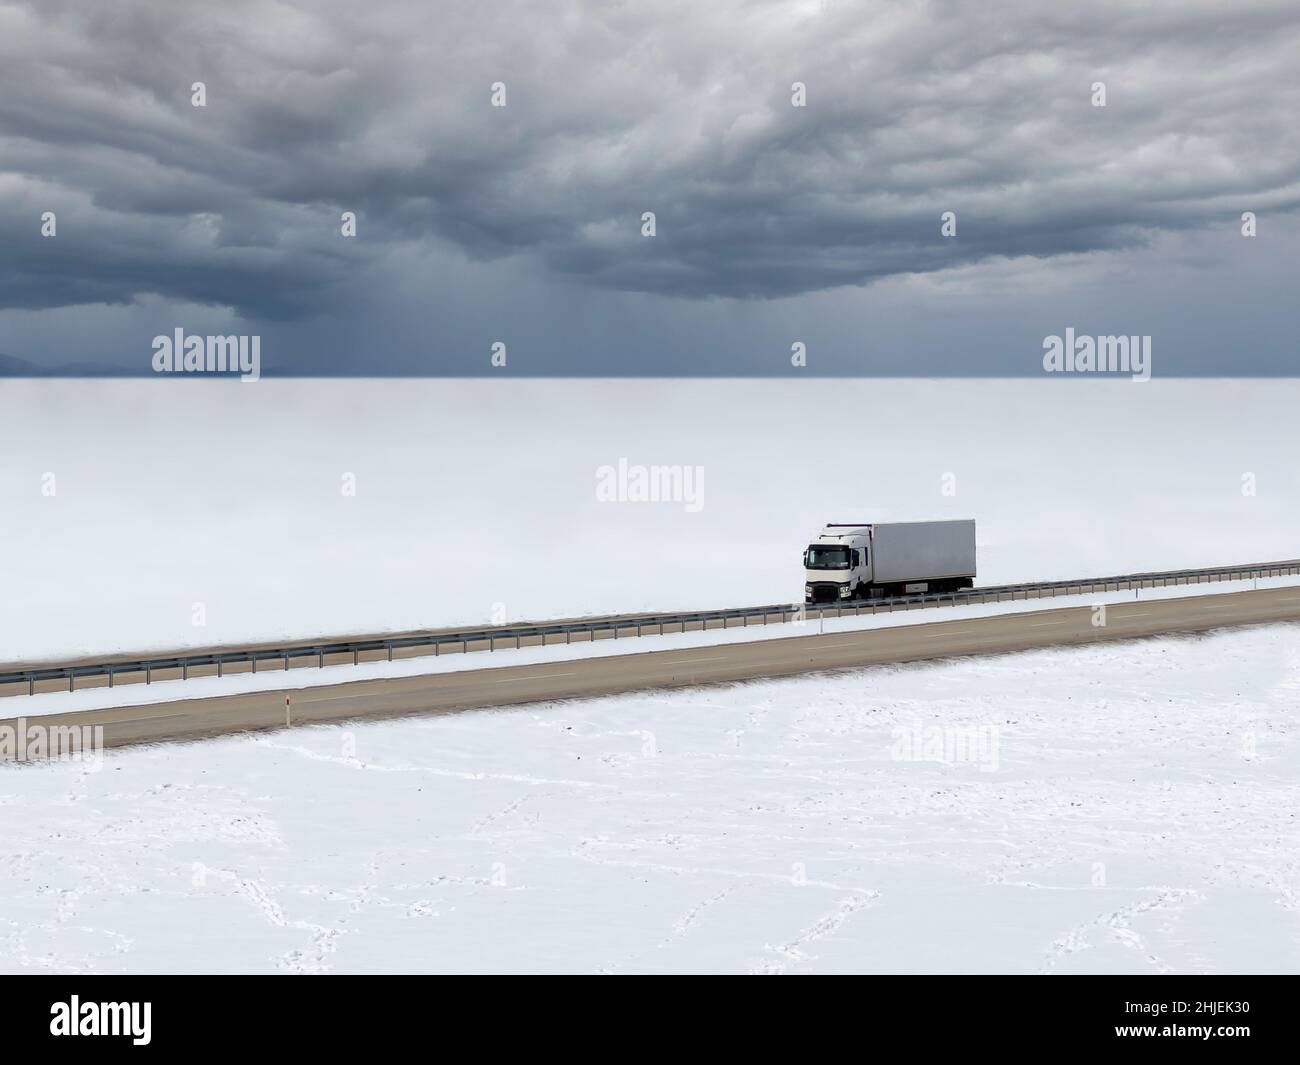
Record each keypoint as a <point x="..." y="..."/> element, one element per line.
<point x="825" y="592"/>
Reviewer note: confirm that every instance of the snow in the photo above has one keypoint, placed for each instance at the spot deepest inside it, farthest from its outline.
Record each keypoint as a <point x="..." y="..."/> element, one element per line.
<point x="154" y="515"/>
<point x="1123" y="807"/>
<point x="1133" y="808"/>
<point x="136" y="694"/>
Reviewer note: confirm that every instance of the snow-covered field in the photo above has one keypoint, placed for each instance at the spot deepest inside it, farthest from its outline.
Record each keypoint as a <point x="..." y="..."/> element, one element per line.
<point x="1128" y="807"/>
<point x="159" y="514"/>
<point x="1123" y="807"/>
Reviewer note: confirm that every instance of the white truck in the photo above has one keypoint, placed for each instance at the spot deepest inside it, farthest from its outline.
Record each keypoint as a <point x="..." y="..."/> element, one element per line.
<point x="874" y="560"/>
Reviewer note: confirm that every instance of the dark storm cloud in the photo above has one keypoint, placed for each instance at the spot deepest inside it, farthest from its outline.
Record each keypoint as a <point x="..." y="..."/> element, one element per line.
<point x="680" y="108"/>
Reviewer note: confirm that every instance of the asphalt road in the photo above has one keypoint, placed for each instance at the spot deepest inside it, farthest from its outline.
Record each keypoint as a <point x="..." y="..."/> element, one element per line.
<point x="506" y="685"/>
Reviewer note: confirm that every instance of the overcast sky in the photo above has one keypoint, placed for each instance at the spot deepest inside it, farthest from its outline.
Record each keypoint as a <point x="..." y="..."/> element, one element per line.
<point x="774" y="223"/>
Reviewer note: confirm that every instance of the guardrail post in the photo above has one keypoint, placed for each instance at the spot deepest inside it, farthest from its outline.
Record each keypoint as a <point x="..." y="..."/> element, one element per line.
<point x="286" y="663"/>
<point x="390" y="651"/>
<point x="148" y="674"/>
<point x="254" y="661"/>
<point x="110" y="677"/>
<point x="72" y="680"/>
<point x="320" y="661"/>
<point x="356" y="659"/>
<point x="31" y="685"/>
<point x="185" y="671"/>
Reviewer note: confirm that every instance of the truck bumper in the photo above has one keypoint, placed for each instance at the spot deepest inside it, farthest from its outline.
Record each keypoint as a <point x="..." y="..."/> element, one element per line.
<point x="824" y="592"/>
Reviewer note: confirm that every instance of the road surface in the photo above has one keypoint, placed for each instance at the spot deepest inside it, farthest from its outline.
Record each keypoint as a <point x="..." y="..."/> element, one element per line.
<point x="507" y="685"/>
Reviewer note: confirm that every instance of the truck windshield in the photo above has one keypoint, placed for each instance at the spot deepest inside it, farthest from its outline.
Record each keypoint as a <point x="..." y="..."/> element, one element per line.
<point x="818" y="557"/>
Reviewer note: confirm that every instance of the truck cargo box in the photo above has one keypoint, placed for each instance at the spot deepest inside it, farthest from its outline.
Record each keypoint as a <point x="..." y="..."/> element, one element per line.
<point x="922" y="550"/>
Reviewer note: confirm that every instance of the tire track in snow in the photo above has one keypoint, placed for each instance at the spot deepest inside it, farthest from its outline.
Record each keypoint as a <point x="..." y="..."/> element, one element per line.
<point x="823" y="927"/>
<point x="1117" y="928"/>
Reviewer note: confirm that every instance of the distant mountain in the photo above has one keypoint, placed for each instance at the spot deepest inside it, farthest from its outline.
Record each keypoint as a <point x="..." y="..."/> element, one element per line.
<point x="15" y="367"/>
<point x="11" y="367"/>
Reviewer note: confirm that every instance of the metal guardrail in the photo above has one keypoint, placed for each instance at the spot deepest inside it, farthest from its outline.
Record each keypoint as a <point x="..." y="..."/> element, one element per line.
<point x="635" y="624"/>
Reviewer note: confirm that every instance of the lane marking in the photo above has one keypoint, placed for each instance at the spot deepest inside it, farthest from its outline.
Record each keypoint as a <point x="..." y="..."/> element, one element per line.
<point x="143" y="720"/>
<point x="534" y="676"/>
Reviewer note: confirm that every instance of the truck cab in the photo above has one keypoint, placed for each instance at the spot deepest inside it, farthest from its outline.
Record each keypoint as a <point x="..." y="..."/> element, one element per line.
<point x="837" y="565"/>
